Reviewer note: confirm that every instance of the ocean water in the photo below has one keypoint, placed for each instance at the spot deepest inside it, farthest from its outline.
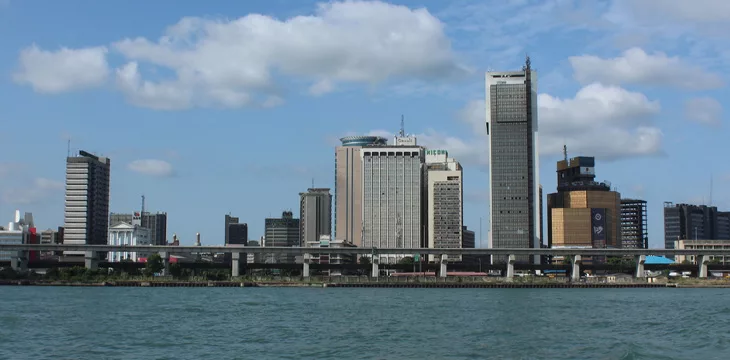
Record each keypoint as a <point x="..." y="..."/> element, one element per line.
<point x="325" y="323"/>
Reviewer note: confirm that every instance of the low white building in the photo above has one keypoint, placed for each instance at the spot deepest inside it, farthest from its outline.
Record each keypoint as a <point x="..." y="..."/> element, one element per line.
<point x="16" y="233"/>
<point x="129" y="235"/>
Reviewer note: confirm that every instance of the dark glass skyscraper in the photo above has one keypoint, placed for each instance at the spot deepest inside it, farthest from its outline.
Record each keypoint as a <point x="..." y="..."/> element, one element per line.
<point x="511" y="105"/>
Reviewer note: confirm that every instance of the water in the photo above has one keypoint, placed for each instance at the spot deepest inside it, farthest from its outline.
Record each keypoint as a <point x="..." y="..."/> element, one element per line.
<point x="315" y="323"/>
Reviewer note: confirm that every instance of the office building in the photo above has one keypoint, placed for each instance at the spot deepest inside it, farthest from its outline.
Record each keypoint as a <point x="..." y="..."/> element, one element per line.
<point x="694" y="222"/>
<point x="468" y="241"/>
<point x="348" y="186"/>
<point x="444" y="188"/>
<point x="702" y="245"/>
<point x="19" y="231"/>
<point x="155" y="222"/>
<point x="86" y="219"/>
<point x="393" y="194"/>
<point x="50" y="237"/>
<point x="634" y="230"/>
<point x="583" y="213"/>
<point x="315" y="215"/>
<point x="511" y="106"/>
<point x="235" y="232"/>
<point x="281" y="232"/>
<point x="325" y="242"/>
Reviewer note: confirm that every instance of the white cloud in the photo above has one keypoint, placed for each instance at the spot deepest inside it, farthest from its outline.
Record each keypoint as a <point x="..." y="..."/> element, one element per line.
<point x="703" y="110"/>
<point x="231" y="63"/>
<point x="637" y="67"/>
<point x="603" y="121"/>
<point x="37" y="191"/>
<point x="152" y="167"/>
<point x="696" y="11"/>
<point x="62" y="70"/>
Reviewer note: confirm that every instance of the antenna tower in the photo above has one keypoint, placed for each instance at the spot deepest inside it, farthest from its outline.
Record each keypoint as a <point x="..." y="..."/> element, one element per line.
<point x="710" y="190"/>
<point x="527" y="67"/>
<point x="142" y="205"/>
<point x="68" y="148"/>
<point x="565" y="152"/>
<point x="312" y="183"/>
<point x="402" y="132"/>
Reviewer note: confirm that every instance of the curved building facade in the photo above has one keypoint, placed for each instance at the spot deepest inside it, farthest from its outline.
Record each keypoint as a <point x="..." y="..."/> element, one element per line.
<point x="348" y="186"/>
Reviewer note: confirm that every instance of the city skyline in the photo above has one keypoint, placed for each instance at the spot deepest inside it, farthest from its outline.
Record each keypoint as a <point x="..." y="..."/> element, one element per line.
<point x="638" y="130"/>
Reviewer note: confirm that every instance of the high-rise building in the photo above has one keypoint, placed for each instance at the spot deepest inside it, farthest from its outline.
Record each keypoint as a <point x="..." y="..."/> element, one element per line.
<point x="511" y="105"/>
<point x="235" y="232"/>
<point x="228" y="220"/>
<point x="281" y="232"/>
<point x="315" y="216"/>
<point x="86" y="219"/>
<point x="393" y="196"/>
<point x="694" y="222"/>
<point x="444" y="188"/>
<point x="583" y="213"/>
<point x="634" y="231"/>
<point x="348" y="187"/>
<point x="155" y="222"/>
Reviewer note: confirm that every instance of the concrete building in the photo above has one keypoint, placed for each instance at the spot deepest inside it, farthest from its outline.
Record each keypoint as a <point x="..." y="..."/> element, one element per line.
<point x="694" y="222"/>
<point x="86" y="218"/>
<point x="281" y="232"/>
<point x="348" y="186"/>
<point x="511" y="106"/>
<point x="468" y="241"/>
<point x="50" y="237"/>
<point x="19" y="231"/>
<point x="235" y="232"/>
<point x="393" y="196"/>
<point x="155" y="222"/>
<point x="702" y="245"/>
<point x="326" y="242"/>
<point x="583" y="213"/>
<point x="130" y="235"/>
<point x="315" y="215"/>
<point x="634" y="229"/>
<point x="444" y="188"/>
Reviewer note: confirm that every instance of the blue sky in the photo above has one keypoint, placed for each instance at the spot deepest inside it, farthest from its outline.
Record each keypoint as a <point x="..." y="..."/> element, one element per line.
<point x="219" y="106"/>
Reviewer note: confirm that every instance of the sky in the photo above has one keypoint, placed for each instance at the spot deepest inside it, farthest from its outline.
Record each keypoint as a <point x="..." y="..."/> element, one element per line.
<point x="217" y="107"/>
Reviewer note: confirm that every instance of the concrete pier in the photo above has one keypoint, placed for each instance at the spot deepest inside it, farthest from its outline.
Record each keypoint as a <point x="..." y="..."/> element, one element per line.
<point x="575" y="273"/>
<point x="510" y="267"/>
<point x="444" y="265"/>
<point x="702" y="261"/>
<point x="640" y="260"/>
<point x="306" y="259"/>
<point x="235" y="264"/>
<point x="91" y="260"/>
<point x="19" y="260"/>
<point x="375" y="262"/>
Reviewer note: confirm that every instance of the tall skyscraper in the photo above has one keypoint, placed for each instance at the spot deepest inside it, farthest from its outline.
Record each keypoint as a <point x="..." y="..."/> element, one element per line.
<point x="511" y="106"/>
<point x="315" y="217"/>
<point x="445" y="202"/>
<point x="87" y="200"/>
<point x="634" y="230"/>
<point x="393" y="196"/>
<point x="348" y="187"/>
<point x="228" y="221"/>
<point x="583" y="214"/>
<point x="694" y="222"/>
<point x="281" y="232"/>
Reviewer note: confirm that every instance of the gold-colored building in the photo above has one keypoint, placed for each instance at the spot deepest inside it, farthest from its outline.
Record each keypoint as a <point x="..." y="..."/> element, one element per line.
<point x="583" y="213"/>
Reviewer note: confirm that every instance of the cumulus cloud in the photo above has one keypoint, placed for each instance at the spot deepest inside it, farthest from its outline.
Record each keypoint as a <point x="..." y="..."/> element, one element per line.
<point x="608" y="122"/>
<point x="152" y="167"/>
<point x="38" y="190"/>
<point x="635" y="66"/>
<point x="231" y="63"/>
<point x="703" y="110"/>
<point x="62" y="70"/>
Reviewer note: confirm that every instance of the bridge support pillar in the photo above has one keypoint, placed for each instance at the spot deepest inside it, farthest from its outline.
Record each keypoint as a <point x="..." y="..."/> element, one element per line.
<point x="235" y="264"/>
<point x="19" y="260"/>
<point x="575" y="273"/>
<point x="91" y="260"/>
<point x="444" y="265"/>
<point x="307" y="258"/>
<point x="702" y="261"/>
<point x="375" y="262"/>
<point x="640" y="273"/>
<point x="510" y="267"/>
<point x="165" y="256"/>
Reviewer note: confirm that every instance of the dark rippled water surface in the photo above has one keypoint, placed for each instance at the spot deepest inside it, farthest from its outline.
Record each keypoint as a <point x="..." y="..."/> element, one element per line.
<point x="309" y="323"/>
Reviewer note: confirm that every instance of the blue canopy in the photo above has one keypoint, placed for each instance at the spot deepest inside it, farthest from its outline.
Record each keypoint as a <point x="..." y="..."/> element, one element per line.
<point x="653" y="260"/>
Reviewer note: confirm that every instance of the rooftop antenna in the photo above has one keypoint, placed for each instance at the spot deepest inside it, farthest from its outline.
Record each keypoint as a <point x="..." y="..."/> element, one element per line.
<point x="710" y="189"/>
<point x="527" y="67"/>
<point x="142" y="205"/>
<point x="565" y="152"/>
<point x="402" y="126"/>
<point x="312" y="183"/>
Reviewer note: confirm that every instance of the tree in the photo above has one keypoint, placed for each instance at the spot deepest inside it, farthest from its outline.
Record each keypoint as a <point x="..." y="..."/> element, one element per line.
<point x="154" y="265"/>
<point x="364" y="260"/>
<point x="408" y="260"/>
<point x="175" y="270"/>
